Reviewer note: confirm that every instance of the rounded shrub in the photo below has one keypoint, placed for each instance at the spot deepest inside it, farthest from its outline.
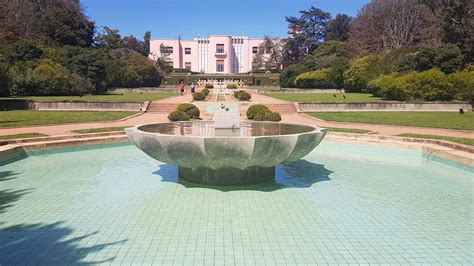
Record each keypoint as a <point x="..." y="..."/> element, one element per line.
<point x="205" y="91"/>
<point x="254" y="109"/>
<point x="463" y="85"/>
<point x="242" y="95"/>
<point x="209" y="86"/>
<point x="178" y="116"/>
<point x="267" y="116"/>
<point x="199" y="96"/>
<point x="319" y="79"/>
<point x="232" y="86"/>
<point x="189" y="109"/>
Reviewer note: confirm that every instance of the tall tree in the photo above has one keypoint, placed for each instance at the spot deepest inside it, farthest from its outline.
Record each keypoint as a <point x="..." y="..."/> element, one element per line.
<point x="338" y="28"/>
<point x="109" y="39"/>
<point x="146" y="39"/>
<point x="132" y="43"/>
<point x="270" y="54"/>
<point x="307" y="32"/>
<point x="456" y="18"/>
<point x="383" y="25"/>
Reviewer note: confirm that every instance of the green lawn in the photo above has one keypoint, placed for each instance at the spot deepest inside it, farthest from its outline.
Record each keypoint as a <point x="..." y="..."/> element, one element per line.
<point x="450" y="120"/>
<point x="99" y="130"/>
<point x="327" y="97"/>
<point x="347" y="130"/>
<point x="22" y="136"/>
<point x="126" y="97"/>
<point x="464" y="141"/>
<point x="28" y="118"/>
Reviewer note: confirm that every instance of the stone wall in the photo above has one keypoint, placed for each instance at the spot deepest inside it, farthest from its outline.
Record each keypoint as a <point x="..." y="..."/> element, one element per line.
<point x="70" y="105"/>
<point x="382" y="106"/>
<point x="300" y="91"/>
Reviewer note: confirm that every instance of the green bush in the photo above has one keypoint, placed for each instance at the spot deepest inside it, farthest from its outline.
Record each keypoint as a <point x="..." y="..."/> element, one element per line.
<point x="315" y="79"/>
<point x="267" y="116"/>
<point x="242" y="95"/>
<point x="254" y="109"/>
<point x="4" y="81"/>
<point x="232" y="86"/>
<point x="205" y="91"/>
<point x="463" y="85"/>
<point x="361" y="72"/>
<point x="209" y="86"/>
<point x="448" y="58"/>
<point x="431" y="85"/>
<point x="199" y="96"/>
<point x="178" y="116"/>
<point x="189" y="109"/>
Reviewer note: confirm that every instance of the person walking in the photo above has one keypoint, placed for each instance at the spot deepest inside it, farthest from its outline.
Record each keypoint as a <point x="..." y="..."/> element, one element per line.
<point x="193" y="88"/>
<point x="181" y="87"/>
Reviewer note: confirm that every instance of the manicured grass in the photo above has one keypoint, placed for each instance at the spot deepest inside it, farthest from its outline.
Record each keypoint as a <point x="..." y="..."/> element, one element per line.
<point x="347" y="130"/>
<point x="464" y="141"/>
<point x="327" y="97"/>
<point x="22" y="136"/>
<point x="28" y="118"/>
<point x="126" y="97"/>
<point x="98" y="130"/>
<point x="450" y="120"/>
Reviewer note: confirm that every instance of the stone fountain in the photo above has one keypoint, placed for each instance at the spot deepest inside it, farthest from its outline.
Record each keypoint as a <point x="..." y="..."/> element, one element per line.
<point x="226" y="151"/>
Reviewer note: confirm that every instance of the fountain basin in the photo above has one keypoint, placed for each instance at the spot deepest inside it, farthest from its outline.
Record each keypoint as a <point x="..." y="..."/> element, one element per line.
<point x="212" y="156"/>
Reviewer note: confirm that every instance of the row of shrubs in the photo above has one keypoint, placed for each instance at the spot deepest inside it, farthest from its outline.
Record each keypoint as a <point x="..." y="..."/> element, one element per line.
<point x="330" y="67"/>
<point x="201" y="96"/>
<point x="256" y="112"/>
<point x="30" y="68"/>
<point x="229" y="86"/>
<point x="428" y="85"/>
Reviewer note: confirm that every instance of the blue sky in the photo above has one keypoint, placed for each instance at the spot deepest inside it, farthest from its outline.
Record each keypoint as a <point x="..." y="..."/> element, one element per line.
<point x="188" y="18"/>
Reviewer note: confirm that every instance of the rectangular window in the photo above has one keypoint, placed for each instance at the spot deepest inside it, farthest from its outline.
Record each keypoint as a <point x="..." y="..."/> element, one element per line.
<point x="254" y="50"/>
<point x="219" y="48"/>
<point x="167" y="50"/>
<point x="220" y="65"/>
<point x="187" y="65"/>
<point x="187" y="50"/>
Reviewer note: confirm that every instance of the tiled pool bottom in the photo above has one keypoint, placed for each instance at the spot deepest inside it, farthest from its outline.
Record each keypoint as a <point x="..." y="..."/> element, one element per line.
<point x="344" y="204"/>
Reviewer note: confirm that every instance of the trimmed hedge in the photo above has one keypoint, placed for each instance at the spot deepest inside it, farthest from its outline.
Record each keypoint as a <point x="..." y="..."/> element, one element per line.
<point x="205" y="91"/>
<point x="178" y="116"/>
<point x="267" y="116"/>
<point x="315" y="79"/>
<point x="431" y="85"/>
<point x="199" y="96"/>
<point x="232" y="86"/>
<point x="190" y="109"/>
<point x="242" y="95"/>
<point x="209" y="86"/>
<point x="254" y="109"/>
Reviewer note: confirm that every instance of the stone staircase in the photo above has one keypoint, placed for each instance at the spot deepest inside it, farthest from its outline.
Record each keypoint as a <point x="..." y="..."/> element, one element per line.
<point x="158" y="107"/>
<point x="282" y="107"/>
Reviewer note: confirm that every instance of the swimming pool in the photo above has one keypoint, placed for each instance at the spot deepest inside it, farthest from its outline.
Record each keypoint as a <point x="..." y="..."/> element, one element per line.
<point x="343" y="203"/>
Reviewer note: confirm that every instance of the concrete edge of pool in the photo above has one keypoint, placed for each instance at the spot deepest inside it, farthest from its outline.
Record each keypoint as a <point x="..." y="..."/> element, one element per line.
<point x="15" y="150"/>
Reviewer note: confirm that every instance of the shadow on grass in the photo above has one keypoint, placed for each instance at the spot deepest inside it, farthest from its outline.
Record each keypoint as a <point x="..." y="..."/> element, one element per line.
<point x="299" y="174"/>
<point x="48" y="244"/>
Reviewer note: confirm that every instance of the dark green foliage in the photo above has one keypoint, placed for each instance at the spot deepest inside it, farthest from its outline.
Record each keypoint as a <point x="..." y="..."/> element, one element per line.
<point x="205" y="91"/>
<point x="448" y="58"/>
<point x="209" y="86"/>
<point x="267" y="116"/>
<point x="25" y="50"/>
<point x="190" y="109"/>
<point x="4" y="80"/>
<point x="91" y="65"/>
<point x="242" y="95"/>
<point x="232" y="86"/>
<point x="338" y="28"/>
<point x="254" y="109"/>
<point x="199" y="96"/>
<point x="178" y="116"/>
<point x="109" y="39"/>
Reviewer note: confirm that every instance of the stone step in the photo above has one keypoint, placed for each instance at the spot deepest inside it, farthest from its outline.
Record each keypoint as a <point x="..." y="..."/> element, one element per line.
<point x="162" y="107"/>
<point x="283" y="107"/>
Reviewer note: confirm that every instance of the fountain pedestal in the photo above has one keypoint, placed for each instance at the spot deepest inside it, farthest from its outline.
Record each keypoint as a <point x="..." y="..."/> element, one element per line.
<point x="227" y="176"/>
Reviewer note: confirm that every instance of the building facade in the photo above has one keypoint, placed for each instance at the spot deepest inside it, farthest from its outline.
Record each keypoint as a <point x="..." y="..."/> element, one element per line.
<point x="215" y="54"/>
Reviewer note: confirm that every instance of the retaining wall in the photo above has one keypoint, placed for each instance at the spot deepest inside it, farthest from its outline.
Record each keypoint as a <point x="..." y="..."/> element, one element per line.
<point x="381" y="106"/>
<point x="70" y="106"/>
<point x="300" y="91"/>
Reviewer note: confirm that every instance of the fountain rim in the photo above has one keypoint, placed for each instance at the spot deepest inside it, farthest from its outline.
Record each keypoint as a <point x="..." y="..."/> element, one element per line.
<point x="315" y="130"/>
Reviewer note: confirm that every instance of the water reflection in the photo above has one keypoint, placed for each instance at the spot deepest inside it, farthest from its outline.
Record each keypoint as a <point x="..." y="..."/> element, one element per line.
<point x="299" y="174"/>
<point x="247" y="129"/>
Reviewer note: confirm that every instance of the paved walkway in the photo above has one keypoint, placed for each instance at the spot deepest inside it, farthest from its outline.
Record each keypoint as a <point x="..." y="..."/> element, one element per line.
<point x="388" y="130"/>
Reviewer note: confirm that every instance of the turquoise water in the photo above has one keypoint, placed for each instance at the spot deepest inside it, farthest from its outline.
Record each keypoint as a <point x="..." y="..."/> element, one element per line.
<point x="343" y="204"/>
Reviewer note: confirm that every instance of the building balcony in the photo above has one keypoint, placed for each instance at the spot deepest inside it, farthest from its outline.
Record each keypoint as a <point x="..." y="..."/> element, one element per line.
<point x="221" y="53"/>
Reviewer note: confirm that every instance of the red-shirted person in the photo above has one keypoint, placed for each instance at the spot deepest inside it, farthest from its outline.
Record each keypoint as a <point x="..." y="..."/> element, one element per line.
<point x="181" y="87"/>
